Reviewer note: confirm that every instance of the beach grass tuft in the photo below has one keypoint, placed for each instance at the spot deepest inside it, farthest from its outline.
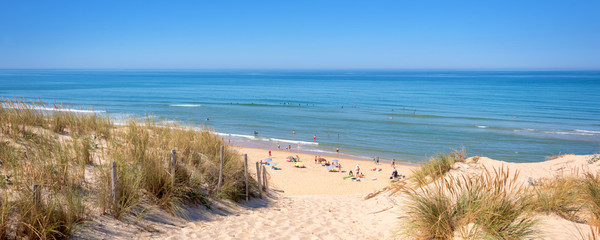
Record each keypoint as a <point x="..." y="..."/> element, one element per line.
<point x="490" y="205"/>
<point x="560" y="195"/>
<point x="591" y="196"/>
<point x="437" y="167"/>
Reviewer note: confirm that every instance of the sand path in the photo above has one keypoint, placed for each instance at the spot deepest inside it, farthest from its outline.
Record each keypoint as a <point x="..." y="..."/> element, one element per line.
<point x="309" y="203"/>
<point x="303" y="217"/>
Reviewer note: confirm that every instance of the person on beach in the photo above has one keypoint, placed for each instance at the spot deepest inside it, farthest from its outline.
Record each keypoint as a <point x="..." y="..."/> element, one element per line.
<point x="350" y="173"/>
<point x="357" y="168"/>
<point x="278" y="147"/>
<point x="290" y="147"/>
<point x="315" y="159"/>
<point x="394" y="174"/>
<point x="339" y="167"/>
<point x="377" y="161"/>
<point x="394" y="163"/>
<point x="269" y="153"/>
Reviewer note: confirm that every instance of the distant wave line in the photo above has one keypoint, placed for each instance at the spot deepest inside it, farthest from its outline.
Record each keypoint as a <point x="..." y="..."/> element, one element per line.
<point x="32" y="107"/>
<point x="185" y="105"/>
<point x="251" y="137"/>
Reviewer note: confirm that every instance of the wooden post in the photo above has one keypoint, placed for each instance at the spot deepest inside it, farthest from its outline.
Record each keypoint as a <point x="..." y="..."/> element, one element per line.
<point x="246" y="174"/>
<point x="265" y="184"/>
<point x="36" y="194"/>
<point x="173" y="164"/>
<point x="220" y="172"/>
<point x="115" y="185"/>
<point x="258" y="179"/>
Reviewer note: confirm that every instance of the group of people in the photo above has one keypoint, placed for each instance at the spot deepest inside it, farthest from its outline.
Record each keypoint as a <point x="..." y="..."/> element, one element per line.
<point x="320" y="160"/>
<point x="376" y="161"/>
<point x="288" y="148"/>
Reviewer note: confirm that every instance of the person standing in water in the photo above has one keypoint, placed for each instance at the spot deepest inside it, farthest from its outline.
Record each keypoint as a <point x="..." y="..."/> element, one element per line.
<point x="315" y="138"/>
<point x="337" y="152"/>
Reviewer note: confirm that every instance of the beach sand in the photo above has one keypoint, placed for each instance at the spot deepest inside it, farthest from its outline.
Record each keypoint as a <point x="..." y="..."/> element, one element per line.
<point x="312" y="203"/>
<point x="316" y="180"/>
<point x="309" y="203"/>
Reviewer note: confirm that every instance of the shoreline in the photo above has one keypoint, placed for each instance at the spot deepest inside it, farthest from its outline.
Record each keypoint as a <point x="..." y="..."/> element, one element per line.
<point x="266" y="144"/>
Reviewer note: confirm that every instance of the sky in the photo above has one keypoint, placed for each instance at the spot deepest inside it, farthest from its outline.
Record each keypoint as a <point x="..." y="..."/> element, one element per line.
<point x="300" y="34"/>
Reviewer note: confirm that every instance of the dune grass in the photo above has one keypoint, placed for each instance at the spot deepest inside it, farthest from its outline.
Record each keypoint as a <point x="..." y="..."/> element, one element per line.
<point x="492" y="205"/>
<point x="437" y="167"/>
<point x="54" y="149"/>
<point x="488" y="206"/>
<point x="561" y="195"/>
<point x="591" y="196"/>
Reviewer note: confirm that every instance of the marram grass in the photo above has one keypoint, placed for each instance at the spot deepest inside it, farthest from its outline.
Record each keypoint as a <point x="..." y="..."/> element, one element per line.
<point x="54" y="149"/>
<point x="488" y="206"/>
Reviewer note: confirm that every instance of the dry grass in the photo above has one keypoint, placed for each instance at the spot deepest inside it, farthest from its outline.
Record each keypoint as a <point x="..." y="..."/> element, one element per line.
<point x="560" y="195"/>
<point x="489" y="206"/>
<point x="437" y="167"/>
<point x="53" y="148"/>
<point x="591" y="196"/>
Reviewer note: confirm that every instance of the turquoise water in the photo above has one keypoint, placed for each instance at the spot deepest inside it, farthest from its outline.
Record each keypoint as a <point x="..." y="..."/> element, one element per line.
<point x="519" y="116"/>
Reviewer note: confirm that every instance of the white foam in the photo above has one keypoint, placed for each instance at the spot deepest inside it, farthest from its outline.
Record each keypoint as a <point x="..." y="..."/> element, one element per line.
<point x="252" y="137"/>
<point x="185" y="105"/>
<point x="524" y="130"/>
<point x="579" y="133"/>
<point x="587" y="131"/>
<point x="482" y="126"/>
<point x="33" y="107"/>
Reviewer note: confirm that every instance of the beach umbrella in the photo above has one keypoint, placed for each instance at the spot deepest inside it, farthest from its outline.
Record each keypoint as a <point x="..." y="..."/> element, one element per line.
<point x="330" y="167"/>
<point x="268" y="160"/>
<point x="334" y="160"/>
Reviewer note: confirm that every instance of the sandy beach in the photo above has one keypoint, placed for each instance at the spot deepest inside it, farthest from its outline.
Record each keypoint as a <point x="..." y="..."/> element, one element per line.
<point x="314" y="179"/>
<point x="311" y="203"/>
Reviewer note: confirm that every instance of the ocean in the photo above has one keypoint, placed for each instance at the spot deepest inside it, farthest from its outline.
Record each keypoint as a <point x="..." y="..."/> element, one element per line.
<point x="516" y="116"/>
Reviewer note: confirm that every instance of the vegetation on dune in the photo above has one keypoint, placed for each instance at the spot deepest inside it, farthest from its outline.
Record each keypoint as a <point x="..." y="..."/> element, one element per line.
<point x="489" y="206"/>
<point x="591" y="197"/>
<point x="437" y="167"/>
<point x="56" y="149"/>
<point x="492" y="205"/>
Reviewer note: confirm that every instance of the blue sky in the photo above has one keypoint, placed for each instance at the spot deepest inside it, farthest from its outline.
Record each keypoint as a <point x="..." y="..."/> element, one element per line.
<point x="300" y="34"/>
